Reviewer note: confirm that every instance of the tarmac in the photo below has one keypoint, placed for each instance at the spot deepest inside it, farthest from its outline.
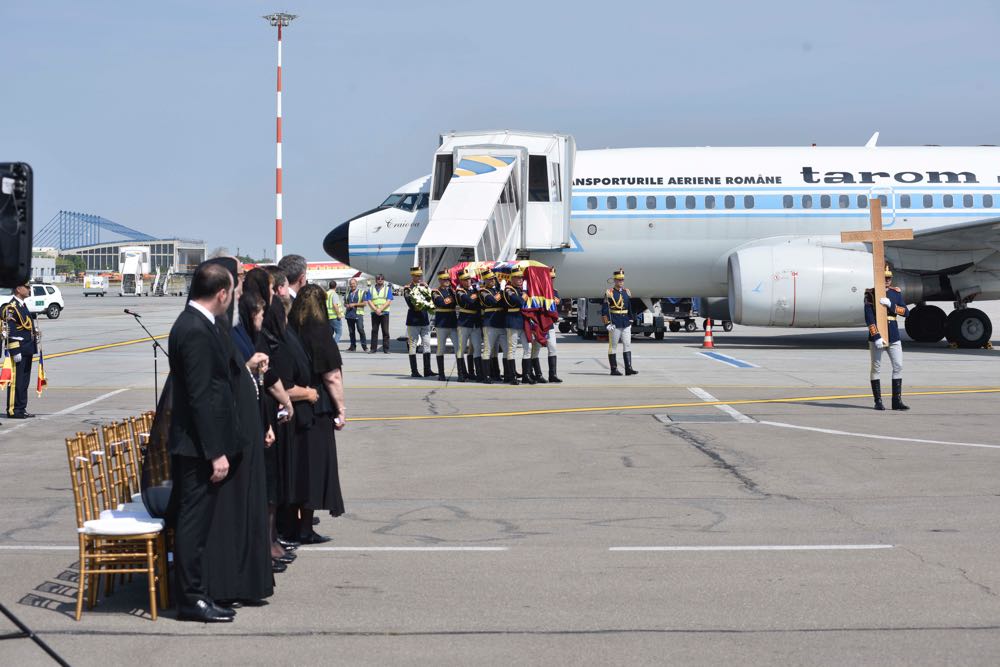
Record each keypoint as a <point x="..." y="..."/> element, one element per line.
<point x="749" y="507"/>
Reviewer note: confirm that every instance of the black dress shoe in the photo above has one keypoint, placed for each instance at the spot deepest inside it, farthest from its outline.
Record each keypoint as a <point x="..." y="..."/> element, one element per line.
<point x="314" y="538"/>
<point x="277" y="567"/>
<point x="17" y="417"/>
<point x="315" y="520"/>
<point x="229" y="604"/>
<point x="226" y="610"/>
<point x="28" y="415"/>
<point x="204" y="612"/>
<point x="288" y="545"/>
<point x="286" y="559"/>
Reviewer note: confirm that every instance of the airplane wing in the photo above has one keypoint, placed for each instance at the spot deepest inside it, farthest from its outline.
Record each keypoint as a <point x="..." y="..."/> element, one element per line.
<point x="979" y="235"/>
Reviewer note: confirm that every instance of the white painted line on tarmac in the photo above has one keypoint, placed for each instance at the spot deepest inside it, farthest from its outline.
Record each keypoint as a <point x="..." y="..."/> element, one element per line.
<point x="831" y="431"/>
<point x="764" y="547"/>
<point x="307" y="548"/>
<point x="72" y="408"/>
<point x="728" y="409"/>
<point x="37" y="547"/>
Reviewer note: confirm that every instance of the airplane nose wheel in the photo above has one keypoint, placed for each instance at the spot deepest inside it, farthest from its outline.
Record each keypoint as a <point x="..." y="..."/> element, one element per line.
<point x="968" y="328"/>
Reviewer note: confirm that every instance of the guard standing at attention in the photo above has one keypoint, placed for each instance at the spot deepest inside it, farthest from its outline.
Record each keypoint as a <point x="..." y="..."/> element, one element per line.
<point x="514" y="301"/>
<point x="896" y="307"/>
<point x="418" y="325"/>
<point x="550" y="345"/>
<point x="22" y="336"/>
<point x="495" y="325"/>
<point x="617" y="314"/>
<point x="470" y="329"/>
<point x="446" y="323"/>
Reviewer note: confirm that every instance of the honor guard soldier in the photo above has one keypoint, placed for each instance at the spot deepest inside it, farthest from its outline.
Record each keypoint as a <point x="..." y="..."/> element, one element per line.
<point x="494" y="325"/>
<point x="514" y="301"/>
<point x="470" y="329"/>
<point x="418" y="326"/>
<point x="617" y="314"/>
<point x="896" y="307"/>
<point x="22" y="336"/>
<point x="550" y="346"/>
<point x="446" y="323"/>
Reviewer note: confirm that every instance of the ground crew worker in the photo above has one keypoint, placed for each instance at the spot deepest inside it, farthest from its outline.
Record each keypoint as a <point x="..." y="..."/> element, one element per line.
<point x="616" y="312"/>
<point x="335" y="311"/>
<point x="494" y="324"/>
<point x="470" y="329"/>
<point x="418" y="325"/>
<point x="550" y="346"/>
<point x="514" y="299"/>
<point x="379" y="299"/>
<point x="22" y="337"/>
<point x="896" y="307"/>
<point x="446" y="323"/>
<point x="355" y="316"/>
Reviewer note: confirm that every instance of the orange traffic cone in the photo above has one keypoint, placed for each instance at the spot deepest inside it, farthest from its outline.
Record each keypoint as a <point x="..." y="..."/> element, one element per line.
<point x="707" y="344"/>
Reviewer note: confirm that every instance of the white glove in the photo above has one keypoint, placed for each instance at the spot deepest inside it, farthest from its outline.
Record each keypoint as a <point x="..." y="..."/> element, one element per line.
<point x="880" y="343"/>
<point x="885" y="301"/>
<point x="611" y="327"/>
<point x="17" y="358"/>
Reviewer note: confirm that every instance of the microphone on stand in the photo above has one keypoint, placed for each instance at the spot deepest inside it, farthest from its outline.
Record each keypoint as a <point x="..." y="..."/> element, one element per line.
<point x="129" y="312"/>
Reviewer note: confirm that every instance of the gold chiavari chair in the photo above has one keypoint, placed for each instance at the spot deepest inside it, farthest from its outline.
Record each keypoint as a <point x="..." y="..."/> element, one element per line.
<point x="110" y="546"/>
<point x="115" y="465"/>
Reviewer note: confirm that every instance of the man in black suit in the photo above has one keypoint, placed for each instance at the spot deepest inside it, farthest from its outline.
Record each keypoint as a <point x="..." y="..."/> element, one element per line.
<point x="203" y="431"/>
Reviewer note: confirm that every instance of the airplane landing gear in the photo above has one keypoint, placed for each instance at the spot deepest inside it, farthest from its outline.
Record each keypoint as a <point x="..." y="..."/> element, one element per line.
<point x="926" y="324"/>
<point x="968" y="328"/>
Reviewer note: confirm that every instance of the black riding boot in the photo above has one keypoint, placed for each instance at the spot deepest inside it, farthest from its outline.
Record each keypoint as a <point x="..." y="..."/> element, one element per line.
<point x="462" y="374"/>
<point x="414" y="373"/>
<point x="527" y="371"/>
<point x="482" y="372"/>
<point x="552" y="371"/>
<point x="510" y="372"/>
<point x="440" y="363"/>
<point x="536" y="366"/>
<point x="897" y="395"/>
<point x="613" y="361"/>
<point x="495" y="369"/>
<point x="877" y="394"/>
<point x="628" y="364"/>
<point x="427" y="365"/>
<point x="470" y="364"/>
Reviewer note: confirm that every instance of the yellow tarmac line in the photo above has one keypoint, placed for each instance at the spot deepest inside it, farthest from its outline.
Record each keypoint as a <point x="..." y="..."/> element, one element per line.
<point x="616" y="385"/>
<point x="658" y="406"/>
<point x="95" y="348"/>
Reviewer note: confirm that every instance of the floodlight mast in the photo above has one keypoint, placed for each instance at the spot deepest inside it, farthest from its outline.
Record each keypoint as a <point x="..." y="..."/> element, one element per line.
<point x="279" y="20"/>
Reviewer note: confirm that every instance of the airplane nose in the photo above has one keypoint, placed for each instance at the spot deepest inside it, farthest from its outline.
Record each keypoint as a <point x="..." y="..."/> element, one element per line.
<point x="336" y="243"/>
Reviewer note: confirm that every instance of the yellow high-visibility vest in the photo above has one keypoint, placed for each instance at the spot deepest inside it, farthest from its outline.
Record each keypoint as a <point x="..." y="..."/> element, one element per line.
<point x="380" y="297"/>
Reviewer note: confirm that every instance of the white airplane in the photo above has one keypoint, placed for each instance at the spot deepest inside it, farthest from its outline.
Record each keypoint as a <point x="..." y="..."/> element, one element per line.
<point x="759" y="227"/>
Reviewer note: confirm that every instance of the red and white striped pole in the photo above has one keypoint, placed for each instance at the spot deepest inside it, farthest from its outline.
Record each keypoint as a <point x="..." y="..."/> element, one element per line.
<point x="280" y="20"/>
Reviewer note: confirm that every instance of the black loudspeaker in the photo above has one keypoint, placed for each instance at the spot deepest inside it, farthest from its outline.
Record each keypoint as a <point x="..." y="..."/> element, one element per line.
<point x="16" y="229"/>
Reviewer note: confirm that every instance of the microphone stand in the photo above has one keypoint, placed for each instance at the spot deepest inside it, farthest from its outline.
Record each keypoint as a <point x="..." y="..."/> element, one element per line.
<point x="156" y="345"/>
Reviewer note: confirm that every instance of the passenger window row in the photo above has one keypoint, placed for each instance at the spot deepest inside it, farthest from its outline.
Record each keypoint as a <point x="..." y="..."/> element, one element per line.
<point x="710" y="202"/>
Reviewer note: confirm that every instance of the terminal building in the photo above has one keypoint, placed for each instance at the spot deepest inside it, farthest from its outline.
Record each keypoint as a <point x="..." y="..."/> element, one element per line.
<point x="102" y="243"/>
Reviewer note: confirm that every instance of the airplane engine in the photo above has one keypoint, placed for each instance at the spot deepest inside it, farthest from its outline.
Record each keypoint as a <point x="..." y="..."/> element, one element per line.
<point x="798" y="285"/>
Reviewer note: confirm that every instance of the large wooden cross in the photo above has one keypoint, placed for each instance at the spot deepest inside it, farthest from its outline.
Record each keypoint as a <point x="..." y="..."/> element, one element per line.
<point x="877" y="237"/>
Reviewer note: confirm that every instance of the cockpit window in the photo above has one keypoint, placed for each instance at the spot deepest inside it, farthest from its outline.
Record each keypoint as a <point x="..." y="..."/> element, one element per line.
<point x="392" y="200"/>
<point x="409" y="202"/>
<point x="423" y="201"/>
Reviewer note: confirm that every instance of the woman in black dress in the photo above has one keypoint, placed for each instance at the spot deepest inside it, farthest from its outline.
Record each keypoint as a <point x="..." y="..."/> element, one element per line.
<point x="267" y="334"/>
<point x="316" y="476"/>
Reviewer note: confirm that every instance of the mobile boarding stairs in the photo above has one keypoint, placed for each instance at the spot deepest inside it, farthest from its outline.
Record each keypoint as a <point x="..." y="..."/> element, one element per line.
<point x="497" y="196"/>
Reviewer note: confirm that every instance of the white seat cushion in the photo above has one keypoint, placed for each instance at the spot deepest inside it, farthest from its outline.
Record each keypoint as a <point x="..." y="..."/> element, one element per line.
<point x="122" y="526"/>
<point x="126" y="512"/>
<point x="137" y="498"/>
<point x="134" y="508"/>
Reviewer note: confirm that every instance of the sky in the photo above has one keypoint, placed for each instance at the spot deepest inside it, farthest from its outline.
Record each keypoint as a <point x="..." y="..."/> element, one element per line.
<point x="160" y="115"/>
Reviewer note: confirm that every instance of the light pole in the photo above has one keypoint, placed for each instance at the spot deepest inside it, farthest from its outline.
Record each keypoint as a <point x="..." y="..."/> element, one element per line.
<point x="280" y="20"/>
